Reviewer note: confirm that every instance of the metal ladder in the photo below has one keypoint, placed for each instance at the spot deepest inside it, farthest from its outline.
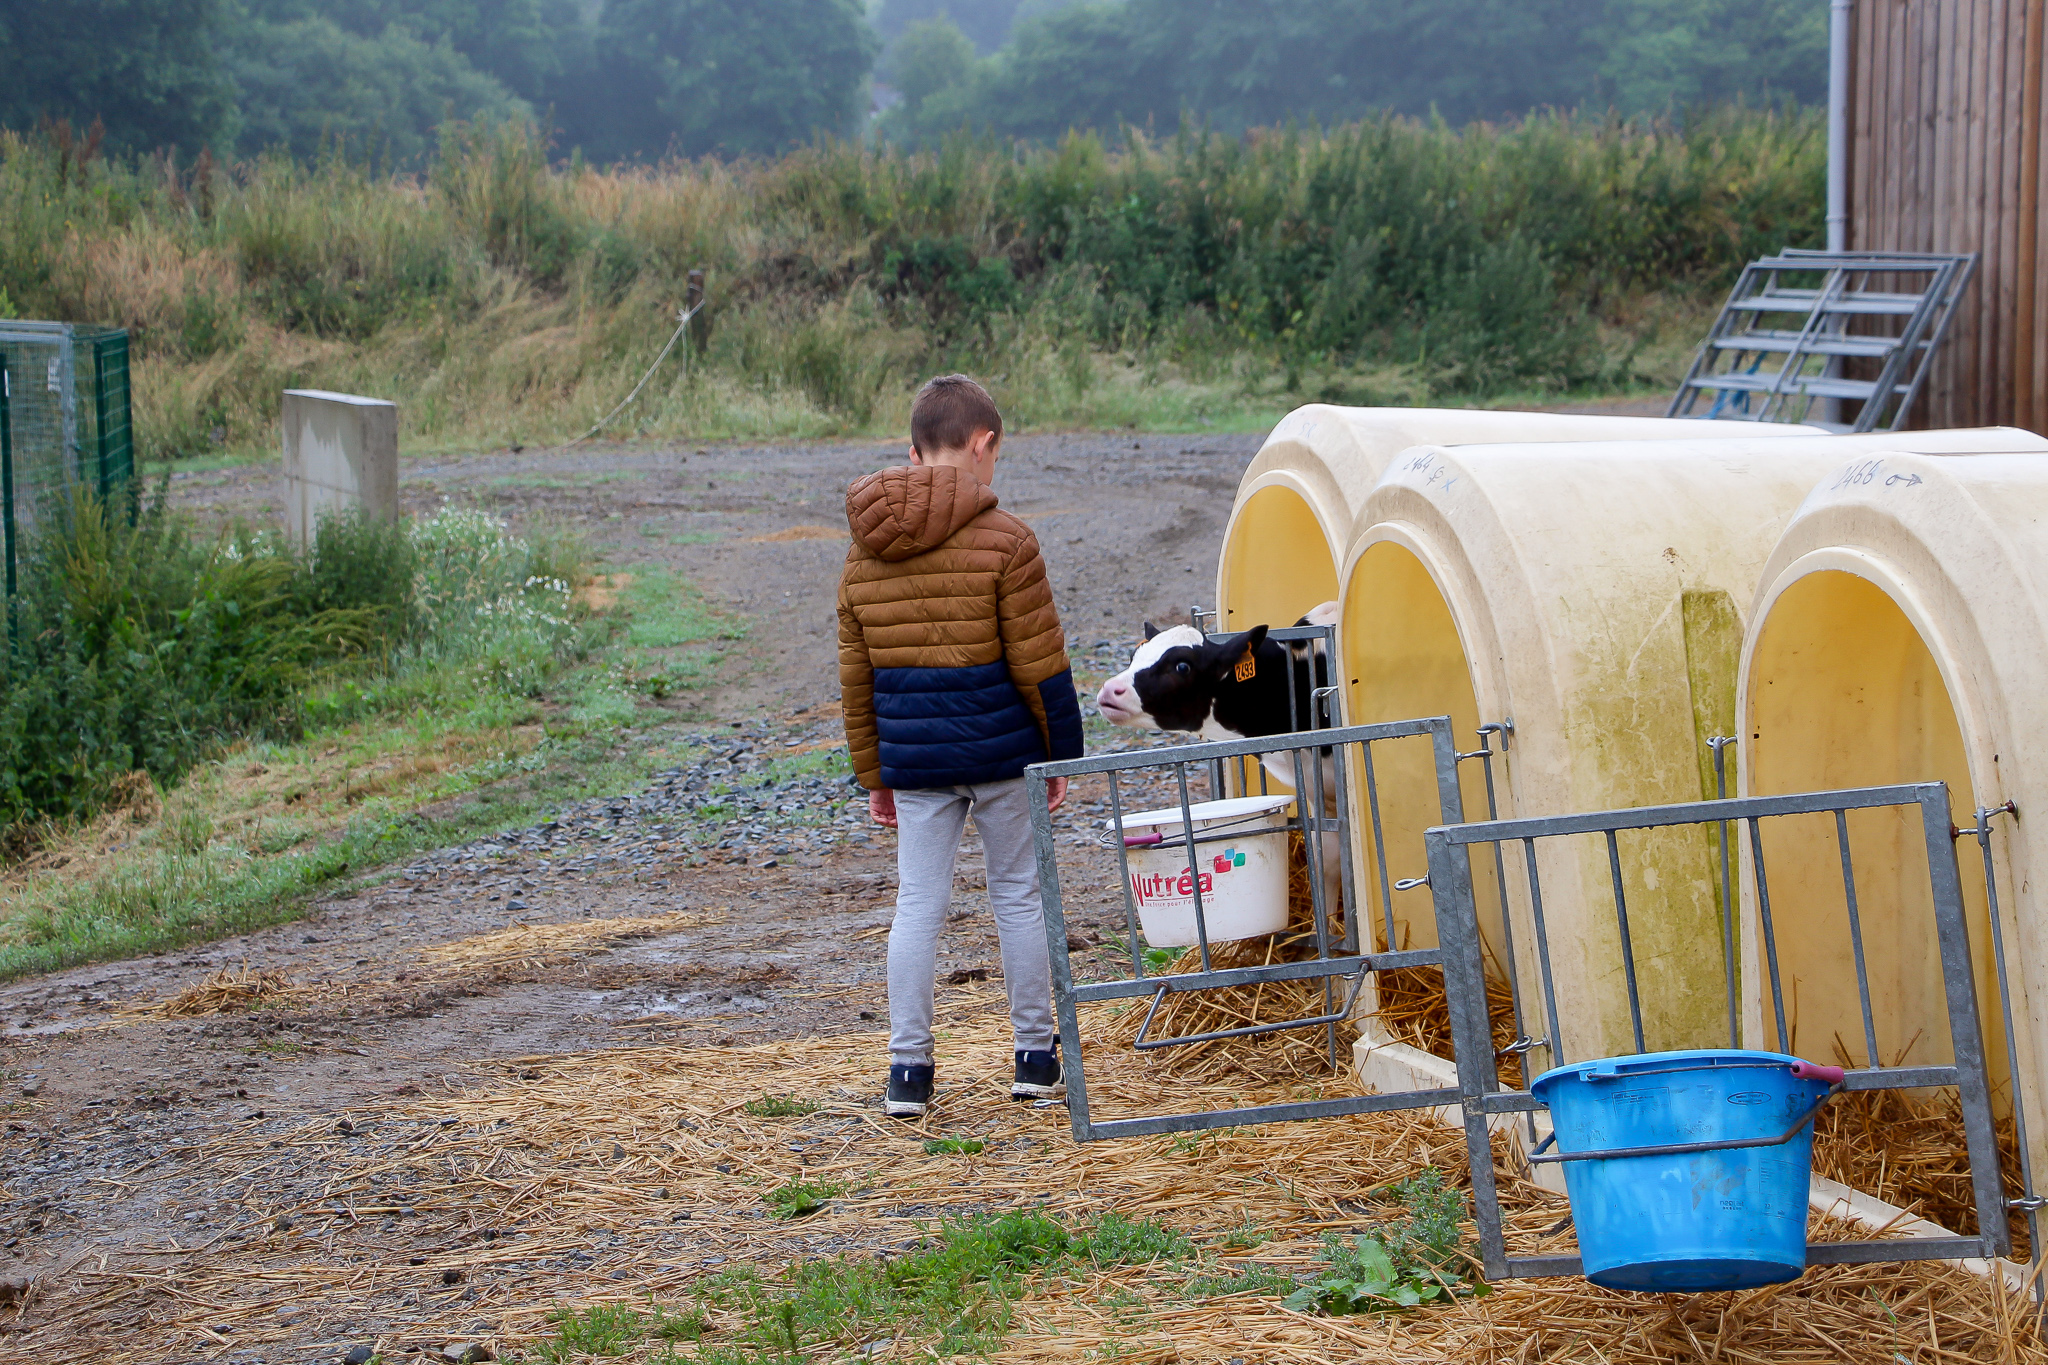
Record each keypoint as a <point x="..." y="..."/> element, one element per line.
<point x="1794" y="319"/>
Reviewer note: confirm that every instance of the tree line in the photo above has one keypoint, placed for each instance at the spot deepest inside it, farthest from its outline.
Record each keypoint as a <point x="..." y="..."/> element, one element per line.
<point x="637" y="80"/>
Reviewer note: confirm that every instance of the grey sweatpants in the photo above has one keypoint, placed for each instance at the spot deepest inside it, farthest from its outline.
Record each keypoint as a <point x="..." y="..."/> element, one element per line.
<point x="929" y="824"/>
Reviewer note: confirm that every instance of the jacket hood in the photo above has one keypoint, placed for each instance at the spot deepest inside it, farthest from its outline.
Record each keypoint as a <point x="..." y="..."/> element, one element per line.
<point x="909" y="509"/>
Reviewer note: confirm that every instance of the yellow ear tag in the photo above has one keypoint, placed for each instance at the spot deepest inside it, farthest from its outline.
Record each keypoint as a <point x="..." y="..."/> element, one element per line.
<point x="1247" y="667"/>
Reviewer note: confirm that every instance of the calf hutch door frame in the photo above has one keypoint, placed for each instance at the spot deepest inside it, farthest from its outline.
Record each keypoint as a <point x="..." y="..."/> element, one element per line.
<point x="1483" y="1097"/>
<point x="1337" y="957"/>
<point x="1478" y="1091"/>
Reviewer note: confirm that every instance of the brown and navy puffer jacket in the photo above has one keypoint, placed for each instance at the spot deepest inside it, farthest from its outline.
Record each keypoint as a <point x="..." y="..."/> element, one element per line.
<point x="952" y="666"/>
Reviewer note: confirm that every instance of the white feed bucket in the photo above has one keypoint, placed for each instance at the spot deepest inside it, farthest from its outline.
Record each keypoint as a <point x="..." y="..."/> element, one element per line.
<point x="1240" y="867"/>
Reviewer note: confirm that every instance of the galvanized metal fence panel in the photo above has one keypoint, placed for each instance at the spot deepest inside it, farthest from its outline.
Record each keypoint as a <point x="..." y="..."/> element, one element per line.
<point x="1482" y="1095"/>
<point x="1322" y="763"/>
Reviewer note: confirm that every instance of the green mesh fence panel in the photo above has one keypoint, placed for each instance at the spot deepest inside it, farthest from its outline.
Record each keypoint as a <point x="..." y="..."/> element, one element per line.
<point x="68" y="420"/>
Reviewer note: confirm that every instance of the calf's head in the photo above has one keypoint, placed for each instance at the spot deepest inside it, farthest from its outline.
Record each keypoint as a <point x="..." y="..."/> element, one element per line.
<point x="1172" y="680"/>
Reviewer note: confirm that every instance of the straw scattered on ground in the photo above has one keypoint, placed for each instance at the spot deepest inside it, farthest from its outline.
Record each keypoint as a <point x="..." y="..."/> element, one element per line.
<point x="481" y="958"/>
<point x="641" y="1177"/>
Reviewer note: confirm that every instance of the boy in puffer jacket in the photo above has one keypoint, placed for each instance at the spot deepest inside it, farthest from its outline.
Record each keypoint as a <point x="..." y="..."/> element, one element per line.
<point x="954" y="675"/>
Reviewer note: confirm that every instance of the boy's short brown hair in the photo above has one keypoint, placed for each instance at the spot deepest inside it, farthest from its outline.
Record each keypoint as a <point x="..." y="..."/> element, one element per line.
<point x="948" y="411"/>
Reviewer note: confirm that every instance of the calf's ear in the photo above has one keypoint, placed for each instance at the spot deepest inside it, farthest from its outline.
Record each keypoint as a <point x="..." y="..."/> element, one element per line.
<point x="1150" y="630"/>
<point x="1226" y="652"/>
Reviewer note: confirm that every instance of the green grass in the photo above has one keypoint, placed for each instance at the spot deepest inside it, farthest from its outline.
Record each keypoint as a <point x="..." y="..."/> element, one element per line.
<point x="779" y="1107"/>
<point x="490" y="733"/>
<point x="954" y="1289"/>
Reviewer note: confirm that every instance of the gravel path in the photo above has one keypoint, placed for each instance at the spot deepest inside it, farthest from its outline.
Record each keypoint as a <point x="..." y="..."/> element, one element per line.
<point x="107" y="1120"/>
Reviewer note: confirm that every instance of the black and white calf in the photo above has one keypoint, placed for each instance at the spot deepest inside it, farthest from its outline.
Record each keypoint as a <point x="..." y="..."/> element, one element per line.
<point x="1235" y="687"/>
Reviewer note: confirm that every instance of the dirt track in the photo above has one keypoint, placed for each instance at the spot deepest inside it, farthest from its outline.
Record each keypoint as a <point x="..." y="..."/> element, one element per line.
<point x="109" y="1120"/>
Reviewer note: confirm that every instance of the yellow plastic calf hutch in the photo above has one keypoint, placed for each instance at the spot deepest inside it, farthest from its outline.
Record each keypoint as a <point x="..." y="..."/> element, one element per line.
<point x="1594" y="594"/>
<point x="1298" y="501"/>
<point x="1899" y="633"/>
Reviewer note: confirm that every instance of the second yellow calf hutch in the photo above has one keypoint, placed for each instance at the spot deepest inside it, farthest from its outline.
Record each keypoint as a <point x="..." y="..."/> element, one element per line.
<point x="1593" y="594"/>
<point x="1298" y="501"/>
<point x="1900" y="634"/>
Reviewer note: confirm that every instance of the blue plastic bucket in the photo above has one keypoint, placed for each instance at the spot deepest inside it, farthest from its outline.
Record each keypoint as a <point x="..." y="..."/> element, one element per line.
<point x="1695" y="1221"/>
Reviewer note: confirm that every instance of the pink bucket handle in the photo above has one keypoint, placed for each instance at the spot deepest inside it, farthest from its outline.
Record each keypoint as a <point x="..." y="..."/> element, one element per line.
<point x="1144" y="840"/>
<point x="1814" y="1071"/>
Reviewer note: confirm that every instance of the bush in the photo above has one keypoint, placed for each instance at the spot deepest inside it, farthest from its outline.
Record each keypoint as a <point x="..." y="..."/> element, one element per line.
<point x="139" y="644"/>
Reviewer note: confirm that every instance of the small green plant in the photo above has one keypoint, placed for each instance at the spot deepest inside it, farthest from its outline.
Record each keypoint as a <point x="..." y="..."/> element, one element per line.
<point x="779" y="1107"/>
<point x="1116" y="1240"/>
<point x="690" y="1326"/>
<point x="1362" y="1279"/>
<point x="801" y="1198"/>
<point x="1244" y="1236"/>
<point x="1417" y="1259"/>
<point x="1253" y="1279"/>
<point x="605" y="1329"/>
<point x="950" y="1146"/>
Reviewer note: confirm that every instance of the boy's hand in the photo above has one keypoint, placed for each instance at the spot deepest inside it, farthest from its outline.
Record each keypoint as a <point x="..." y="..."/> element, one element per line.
<point x="882" y="807"/>
<point x="1055" y="793"/>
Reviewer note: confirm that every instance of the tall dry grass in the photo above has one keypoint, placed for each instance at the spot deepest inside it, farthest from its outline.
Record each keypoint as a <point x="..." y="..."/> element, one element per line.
<point x="502" y="298"/>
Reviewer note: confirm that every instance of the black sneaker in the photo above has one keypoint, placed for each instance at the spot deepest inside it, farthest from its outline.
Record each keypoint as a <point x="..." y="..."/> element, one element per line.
<point x="910" y="1092"/>
<point x="1039" y="1076"/>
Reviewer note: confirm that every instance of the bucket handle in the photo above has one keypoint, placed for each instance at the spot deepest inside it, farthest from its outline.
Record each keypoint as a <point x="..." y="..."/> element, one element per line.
<point x="1538" y="1158"/>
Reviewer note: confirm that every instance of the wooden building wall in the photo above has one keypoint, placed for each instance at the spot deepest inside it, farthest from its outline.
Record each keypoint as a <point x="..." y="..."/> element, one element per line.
<point x="1946" y="155"/>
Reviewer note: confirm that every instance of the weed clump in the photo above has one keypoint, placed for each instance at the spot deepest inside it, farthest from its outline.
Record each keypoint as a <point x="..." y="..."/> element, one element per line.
<point x="1419" y="1258"/>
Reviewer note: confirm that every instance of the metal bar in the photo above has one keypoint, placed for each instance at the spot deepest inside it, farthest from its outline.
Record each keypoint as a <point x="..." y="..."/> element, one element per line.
<point x="1056" y="949"/>
<point x="1312" y="854"/>
<point x="1347" y="875"/>
<point x="1537" y="1267"/>
<point x="1856" y="939"/>
<point x="1094" y="992"/>
<point x="1268" y="1113"/>
<point x="2012" y="1056"/>
<point x="1763" y="907"/>
<point x="1628" y="951"/>
<point x="1684" y="813"/>
<point x="1543" y="953"/>
<point x="1187" y="829"/>
<point x="1379" y="844"/>
<point x="1966" y="1040"/>
<point x="99" y="414"/>
<point x="7" y="482"/>
<point x="1899" y="1077"/>
<point x="1899" y="1249"/>
<point x="1464" y="969"/>
<point x="1486" y="733"/>
<point x="1145" y="1044"/>
<point x="1123" y="858"/>
<point x="1233" y="748"/>
<point x="1719" y="744"/>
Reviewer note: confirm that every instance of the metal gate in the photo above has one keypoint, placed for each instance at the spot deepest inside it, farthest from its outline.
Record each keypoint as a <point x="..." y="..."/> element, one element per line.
<point x="1481" y="1094"/>
<point x="1322" y="764"/>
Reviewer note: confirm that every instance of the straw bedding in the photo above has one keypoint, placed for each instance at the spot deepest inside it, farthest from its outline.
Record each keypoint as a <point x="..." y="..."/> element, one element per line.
<point x="1293" y="1054"/>
<point x="1908" y="1151"/>
<point x="560" y="1180"/>
<point x="478" y="959"/>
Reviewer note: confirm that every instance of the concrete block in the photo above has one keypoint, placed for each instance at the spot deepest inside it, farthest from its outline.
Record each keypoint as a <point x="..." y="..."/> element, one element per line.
<point x="1385" y="1067"/>
<point x="340" y="453"/>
